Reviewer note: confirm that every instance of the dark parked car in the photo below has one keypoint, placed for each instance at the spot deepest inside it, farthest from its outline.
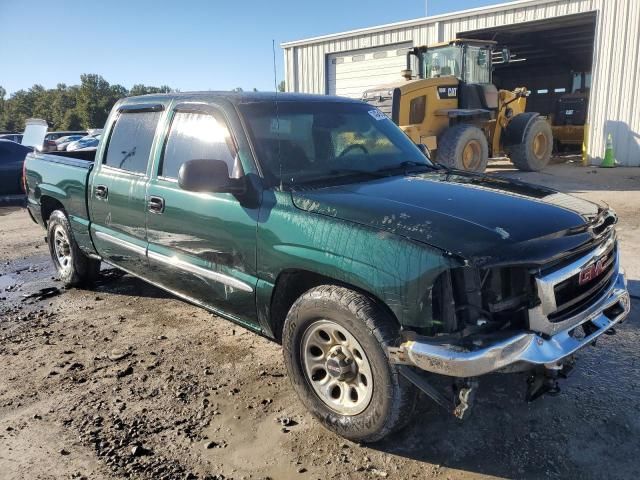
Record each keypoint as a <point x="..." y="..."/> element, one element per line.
<point x="12" y="157"/>
<point x="14" y="137"/>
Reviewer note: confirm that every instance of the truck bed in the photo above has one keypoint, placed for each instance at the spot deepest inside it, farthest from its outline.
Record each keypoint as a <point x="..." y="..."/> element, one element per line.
<point x="58" y="180"/>
<point x="74" y="156"/>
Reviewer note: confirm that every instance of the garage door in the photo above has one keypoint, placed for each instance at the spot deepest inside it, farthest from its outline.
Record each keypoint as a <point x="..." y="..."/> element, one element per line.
<point x="351" y="73"/>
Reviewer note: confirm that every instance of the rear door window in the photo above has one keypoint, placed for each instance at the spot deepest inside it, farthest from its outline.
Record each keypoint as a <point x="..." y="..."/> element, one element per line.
<point x="131" y="140"/>
<point x="198" y="135"/>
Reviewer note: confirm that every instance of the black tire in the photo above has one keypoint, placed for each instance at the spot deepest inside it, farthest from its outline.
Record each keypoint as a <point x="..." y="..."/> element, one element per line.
<point x="78" y="269"/>
<point x="392" y="397"/>
<point x="452" y="144"/>
<point x="534" y="153"/>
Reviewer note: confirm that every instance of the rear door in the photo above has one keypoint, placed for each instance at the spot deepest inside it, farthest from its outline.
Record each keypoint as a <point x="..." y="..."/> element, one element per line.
<point x="118" y="188"/>
<point x="202" y="245"/>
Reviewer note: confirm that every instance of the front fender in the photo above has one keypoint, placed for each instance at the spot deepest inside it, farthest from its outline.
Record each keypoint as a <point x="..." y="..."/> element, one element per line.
<point x="398" y="271"/>
<point x="514" y="133"/>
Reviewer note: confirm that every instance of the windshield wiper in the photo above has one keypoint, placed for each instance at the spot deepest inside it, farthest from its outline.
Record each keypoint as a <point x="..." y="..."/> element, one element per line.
<point x="341" y="173"/>
<point x="355" y="171"/>
<point x="379" y="173"/>
<point x="405" y="166"/>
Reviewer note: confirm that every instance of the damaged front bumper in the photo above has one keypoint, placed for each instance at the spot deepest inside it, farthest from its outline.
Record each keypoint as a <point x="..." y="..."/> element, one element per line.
<point x="519" y="351"/>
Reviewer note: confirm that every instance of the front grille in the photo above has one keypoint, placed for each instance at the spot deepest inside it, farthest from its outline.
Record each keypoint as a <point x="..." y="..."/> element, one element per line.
<point x="572" y="297"/>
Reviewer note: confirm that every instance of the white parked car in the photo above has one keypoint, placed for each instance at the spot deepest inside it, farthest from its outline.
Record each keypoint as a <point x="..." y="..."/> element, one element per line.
<point x="84" y="142"/>
<point x="63" y="142"/>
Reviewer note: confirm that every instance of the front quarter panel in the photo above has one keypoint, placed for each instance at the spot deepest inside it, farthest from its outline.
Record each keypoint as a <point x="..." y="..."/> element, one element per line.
<point x="396" y="270"/>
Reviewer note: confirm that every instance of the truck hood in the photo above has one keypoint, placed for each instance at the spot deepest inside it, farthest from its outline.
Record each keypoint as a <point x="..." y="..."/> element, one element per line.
<point x="485" y="220"/>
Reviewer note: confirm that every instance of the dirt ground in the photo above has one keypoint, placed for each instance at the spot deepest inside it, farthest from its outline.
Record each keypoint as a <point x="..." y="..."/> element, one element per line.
<point x="126" y="381"/>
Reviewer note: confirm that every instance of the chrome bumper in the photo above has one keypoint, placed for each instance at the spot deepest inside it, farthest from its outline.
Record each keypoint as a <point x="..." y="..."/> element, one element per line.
<point x="521" y="351"/>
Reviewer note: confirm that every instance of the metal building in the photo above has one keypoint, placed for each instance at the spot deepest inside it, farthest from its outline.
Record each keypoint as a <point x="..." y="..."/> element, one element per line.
<point x="552" y="39"/>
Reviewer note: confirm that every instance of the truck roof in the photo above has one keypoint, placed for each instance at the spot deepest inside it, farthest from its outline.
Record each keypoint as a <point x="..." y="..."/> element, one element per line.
<point x="236" y="97"/>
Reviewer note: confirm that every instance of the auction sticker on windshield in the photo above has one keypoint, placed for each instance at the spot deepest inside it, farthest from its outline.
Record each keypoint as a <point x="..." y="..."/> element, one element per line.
<point x="377" y="114"/>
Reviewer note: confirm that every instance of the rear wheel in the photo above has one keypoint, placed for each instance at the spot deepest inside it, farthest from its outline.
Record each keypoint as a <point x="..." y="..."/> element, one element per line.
<point x="463" y="147"/>
<point x="534" y="153"/>
<point x="335" y="344"/>
<point x="73" y="266"/>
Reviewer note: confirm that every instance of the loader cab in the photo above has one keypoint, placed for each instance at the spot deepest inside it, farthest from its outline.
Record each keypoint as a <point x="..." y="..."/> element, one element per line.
<point x="469" y="61"/>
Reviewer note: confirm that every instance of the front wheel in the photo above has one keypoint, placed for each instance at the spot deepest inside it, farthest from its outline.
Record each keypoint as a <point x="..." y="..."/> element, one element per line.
<point x="534" y="153"/>
<point x="73" y="266"/>
<point x="335" y="343"/>
<point x="463" y="147"/>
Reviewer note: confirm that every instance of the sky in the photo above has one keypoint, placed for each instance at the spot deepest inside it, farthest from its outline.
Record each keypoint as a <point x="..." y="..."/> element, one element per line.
<point x="186" y="44"/>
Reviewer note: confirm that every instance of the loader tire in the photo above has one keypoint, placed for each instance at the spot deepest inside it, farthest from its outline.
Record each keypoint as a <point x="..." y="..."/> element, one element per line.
<point x="534" y="153"/>
<point x="463" y="147"/>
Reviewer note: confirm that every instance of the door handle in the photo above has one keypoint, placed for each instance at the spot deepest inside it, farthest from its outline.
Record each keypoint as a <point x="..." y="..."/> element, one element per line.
<point x="156" y="204"/>
<point x="101" y="192"/>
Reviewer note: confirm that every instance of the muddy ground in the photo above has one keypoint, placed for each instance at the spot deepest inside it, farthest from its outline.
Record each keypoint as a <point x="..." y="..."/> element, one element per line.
<point x="125" y="381"/>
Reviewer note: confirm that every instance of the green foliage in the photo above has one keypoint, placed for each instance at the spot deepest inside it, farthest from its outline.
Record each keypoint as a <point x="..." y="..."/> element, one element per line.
<point x="282" y="86"/>
<point x="65" y="107"/>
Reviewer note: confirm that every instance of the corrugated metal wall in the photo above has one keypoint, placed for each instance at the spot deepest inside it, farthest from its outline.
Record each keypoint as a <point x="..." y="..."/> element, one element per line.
<point x="614" y="101"/>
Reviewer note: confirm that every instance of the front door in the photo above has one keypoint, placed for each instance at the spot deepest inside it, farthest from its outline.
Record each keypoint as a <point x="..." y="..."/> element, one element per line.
<point x="118" y="187"/>
<point x="202" y="245"/>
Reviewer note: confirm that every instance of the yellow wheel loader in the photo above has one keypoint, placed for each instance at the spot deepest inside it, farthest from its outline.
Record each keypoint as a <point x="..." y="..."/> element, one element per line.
<point x="452" y="107"/>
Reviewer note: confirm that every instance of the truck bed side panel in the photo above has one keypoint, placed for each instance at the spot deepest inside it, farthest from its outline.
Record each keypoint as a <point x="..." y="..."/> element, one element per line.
<point x="63" y="179"/>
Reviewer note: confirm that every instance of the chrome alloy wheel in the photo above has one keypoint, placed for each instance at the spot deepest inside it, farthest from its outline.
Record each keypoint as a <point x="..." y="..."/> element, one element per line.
<point x="61" y="248"/>
<point x="337" y="367"/>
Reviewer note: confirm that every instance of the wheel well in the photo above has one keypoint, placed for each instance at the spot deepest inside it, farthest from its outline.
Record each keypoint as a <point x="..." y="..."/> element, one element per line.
<point x="47" y="206"/>
<point x="292" y="284"/>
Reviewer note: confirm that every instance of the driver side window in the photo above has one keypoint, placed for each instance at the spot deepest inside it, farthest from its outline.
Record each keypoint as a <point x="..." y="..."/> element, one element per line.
<point x="198" y="135"/>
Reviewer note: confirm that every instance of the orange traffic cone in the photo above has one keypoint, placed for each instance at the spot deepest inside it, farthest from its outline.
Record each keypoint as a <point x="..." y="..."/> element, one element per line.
<point x="609" y="156"/>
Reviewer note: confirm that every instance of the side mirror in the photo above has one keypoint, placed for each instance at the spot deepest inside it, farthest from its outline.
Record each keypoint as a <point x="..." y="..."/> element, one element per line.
<point x="204" y="175"/>
<point x="506" y="55"/>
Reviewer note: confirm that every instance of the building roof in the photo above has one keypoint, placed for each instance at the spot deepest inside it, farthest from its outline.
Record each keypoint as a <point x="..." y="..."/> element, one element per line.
<point x="418" y="21"/>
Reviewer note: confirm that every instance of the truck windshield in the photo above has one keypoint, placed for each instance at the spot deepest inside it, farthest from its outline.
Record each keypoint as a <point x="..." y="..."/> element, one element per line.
<point x="300" y="142"/>
<point x="443" y="61"/>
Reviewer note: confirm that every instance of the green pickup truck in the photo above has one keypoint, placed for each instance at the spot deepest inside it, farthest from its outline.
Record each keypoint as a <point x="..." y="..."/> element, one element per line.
<point x="315" y="221"/>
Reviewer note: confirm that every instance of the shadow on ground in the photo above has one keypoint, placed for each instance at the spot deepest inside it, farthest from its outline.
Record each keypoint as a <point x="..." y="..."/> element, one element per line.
<point x="116" y="282"/>
<point x="593" y="417"/>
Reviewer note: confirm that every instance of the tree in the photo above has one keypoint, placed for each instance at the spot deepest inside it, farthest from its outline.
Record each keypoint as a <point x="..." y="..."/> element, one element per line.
<point x="282" y="86"/>
<point x="63" y="101"/>
<point x="66" y="107"/>
<point x="19" y="107"/>
<point x="94" y="101"/>
<point x="71" y="121"/>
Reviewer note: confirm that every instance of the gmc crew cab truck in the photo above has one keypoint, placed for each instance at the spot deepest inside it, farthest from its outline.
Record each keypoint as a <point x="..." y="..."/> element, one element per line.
<point x="315" y="221"/>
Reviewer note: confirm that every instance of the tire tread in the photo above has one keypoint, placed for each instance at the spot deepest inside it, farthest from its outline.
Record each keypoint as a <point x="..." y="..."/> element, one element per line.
<point x="384" y="328"/>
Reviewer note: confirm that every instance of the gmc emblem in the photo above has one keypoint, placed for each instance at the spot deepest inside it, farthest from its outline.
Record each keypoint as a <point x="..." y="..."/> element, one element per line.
<point x="592" y="271"/>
